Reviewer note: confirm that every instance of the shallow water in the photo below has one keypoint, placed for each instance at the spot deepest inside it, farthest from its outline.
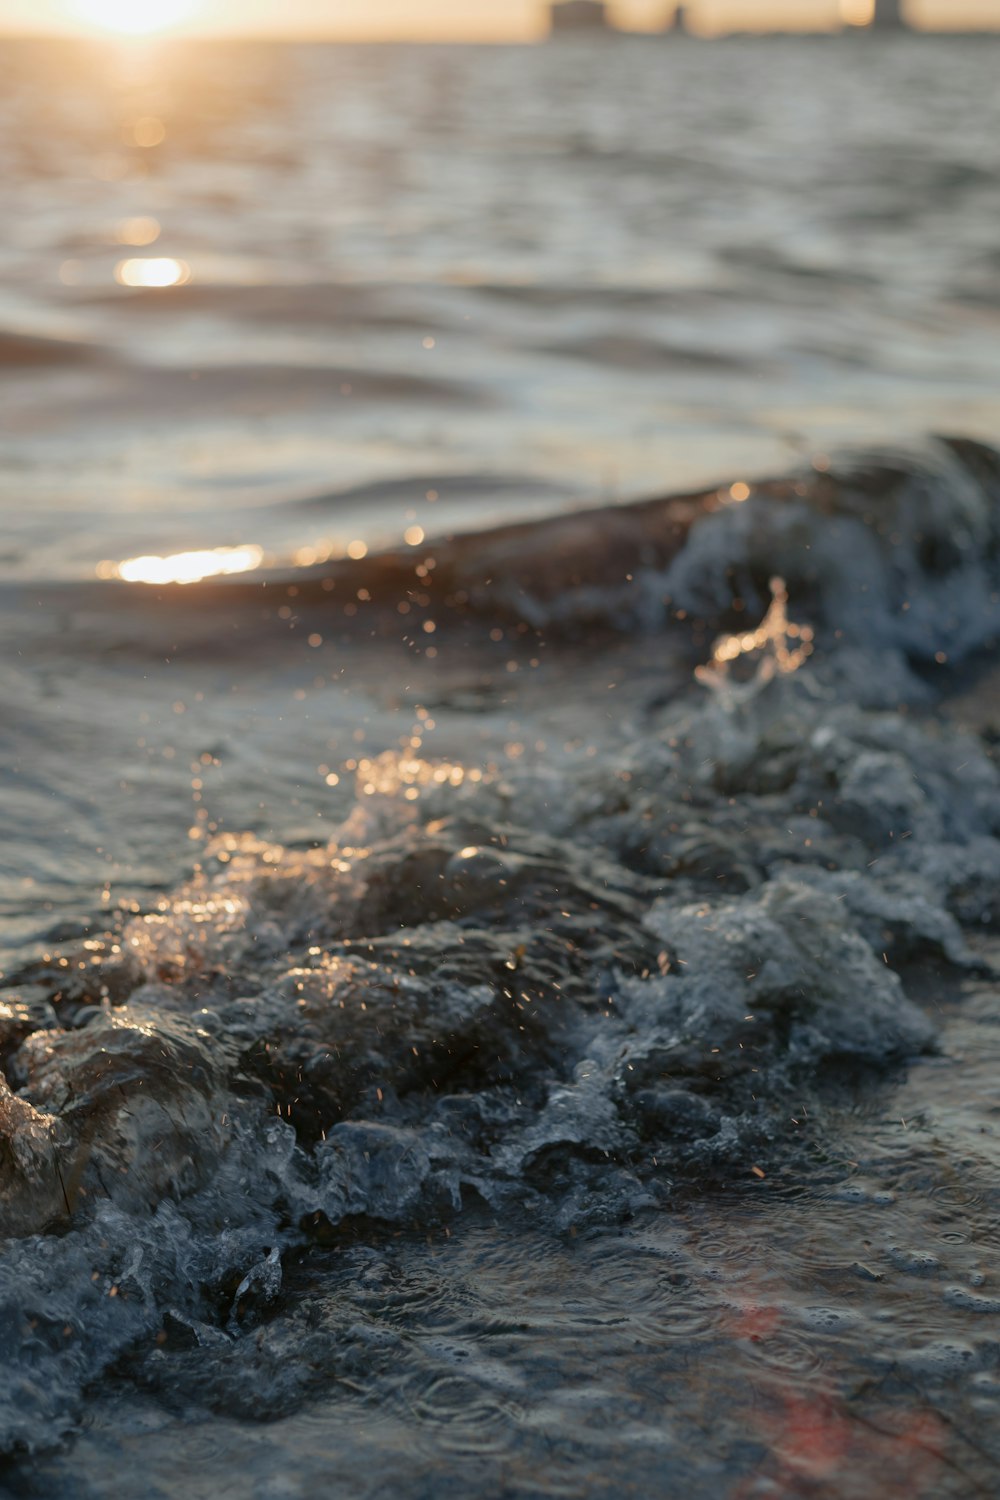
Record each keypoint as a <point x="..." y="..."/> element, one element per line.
<point x="447" y="1043"/>
<point x="597" y="1084"/>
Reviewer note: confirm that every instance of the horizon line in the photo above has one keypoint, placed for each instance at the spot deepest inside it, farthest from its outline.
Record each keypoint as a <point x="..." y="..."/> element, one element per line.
<point x="94" y="34"/>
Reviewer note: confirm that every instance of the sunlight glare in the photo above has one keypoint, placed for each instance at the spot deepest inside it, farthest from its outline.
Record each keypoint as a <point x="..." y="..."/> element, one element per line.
<point x="134" y="17"/>
<point x="156" y="270"/>
<point x="189" y="567"/>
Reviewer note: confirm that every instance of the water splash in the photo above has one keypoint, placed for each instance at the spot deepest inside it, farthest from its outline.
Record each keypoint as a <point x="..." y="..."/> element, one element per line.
<point x="781" y="645"/>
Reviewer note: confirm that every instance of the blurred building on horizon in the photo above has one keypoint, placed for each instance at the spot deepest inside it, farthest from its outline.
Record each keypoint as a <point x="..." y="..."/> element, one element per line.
<point x="889" y="16"/>
<point x="575" y="17"/>
<point x="579" y="15"/>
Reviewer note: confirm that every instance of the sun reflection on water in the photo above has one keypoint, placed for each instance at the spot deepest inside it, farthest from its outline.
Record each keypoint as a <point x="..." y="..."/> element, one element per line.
<point x="184" y="567"/>
<point x="140" y="230"/>
<point x="155" y="270"/>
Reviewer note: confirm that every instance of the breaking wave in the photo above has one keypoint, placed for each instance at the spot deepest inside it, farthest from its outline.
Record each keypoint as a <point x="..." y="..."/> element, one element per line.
<point x="568" y="993"/>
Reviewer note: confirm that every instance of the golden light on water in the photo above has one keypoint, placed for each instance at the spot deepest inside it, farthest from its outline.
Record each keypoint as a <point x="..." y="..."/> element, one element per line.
<point x="154" y="270"/>
<point x="141" y="230"/>
<point x="185" y="567"/>
<point x="134" y="17"/>
<point x="389" y="774"/>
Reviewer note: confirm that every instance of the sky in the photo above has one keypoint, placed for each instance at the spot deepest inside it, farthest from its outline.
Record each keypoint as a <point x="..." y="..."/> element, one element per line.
<point x="472" y="19"/>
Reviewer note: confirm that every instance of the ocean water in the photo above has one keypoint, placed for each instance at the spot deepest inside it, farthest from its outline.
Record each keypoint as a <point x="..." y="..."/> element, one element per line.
<point x="498" y="968"/>
<point x="519" y="278"/>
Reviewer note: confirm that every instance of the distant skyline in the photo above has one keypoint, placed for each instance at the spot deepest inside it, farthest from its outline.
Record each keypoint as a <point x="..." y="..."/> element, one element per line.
<point x="473" y="19"/>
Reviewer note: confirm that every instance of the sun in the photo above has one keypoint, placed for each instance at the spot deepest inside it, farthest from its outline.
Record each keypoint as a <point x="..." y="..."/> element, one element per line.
<point x="134" y="17"/>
